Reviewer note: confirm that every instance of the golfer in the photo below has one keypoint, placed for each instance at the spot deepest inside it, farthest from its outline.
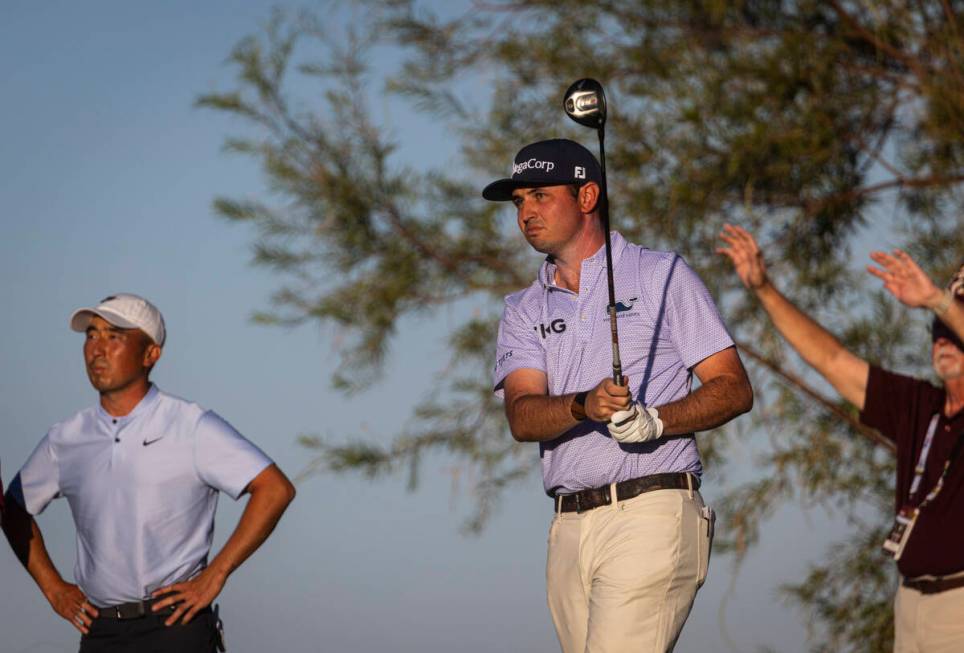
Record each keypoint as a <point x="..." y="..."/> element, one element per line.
<point x="630" y="540"/>
<point x="141" y="471"/>
<point x="924" y="421"/>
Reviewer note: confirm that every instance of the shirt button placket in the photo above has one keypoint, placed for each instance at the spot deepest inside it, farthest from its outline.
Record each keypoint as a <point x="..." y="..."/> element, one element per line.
<point x="113" y="431"/>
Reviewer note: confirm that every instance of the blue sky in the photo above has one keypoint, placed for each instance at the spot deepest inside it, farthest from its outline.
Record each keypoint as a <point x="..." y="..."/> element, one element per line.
<point x="107" y="175"/>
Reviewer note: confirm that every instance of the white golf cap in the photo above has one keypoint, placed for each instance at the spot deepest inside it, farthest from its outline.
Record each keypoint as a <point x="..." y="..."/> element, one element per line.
<point x="125" y="311"/>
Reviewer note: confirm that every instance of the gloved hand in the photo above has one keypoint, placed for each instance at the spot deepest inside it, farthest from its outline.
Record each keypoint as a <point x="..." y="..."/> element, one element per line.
<point x="638" y="424"/>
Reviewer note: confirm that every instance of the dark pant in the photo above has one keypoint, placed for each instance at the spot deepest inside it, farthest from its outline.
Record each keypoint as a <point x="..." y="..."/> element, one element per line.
<point x="149" y="635"/>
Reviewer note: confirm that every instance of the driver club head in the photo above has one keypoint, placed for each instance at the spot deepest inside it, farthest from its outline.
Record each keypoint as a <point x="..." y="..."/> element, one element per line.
<point x="585" y="102"/>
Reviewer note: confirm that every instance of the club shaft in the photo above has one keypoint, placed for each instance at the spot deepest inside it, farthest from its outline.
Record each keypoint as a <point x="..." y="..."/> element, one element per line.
<point x="604" y="211"/>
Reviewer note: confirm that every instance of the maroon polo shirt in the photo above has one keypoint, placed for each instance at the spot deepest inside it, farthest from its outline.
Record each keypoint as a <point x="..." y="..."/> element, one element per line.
<point x="901" y="408"/>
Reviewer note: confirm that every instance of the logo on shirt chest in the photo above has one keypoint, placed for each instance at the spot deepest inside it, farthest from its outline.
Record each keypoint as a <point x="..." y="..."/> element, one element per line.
<point x="625" y="304"/>
<point x="545" y="330"/>
<point x="624" y="308"/>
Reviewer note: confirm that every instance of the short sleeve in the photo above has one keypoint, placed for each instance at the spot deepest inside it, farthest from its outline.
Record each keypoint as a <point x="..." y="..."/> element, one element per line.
<point x="517" y="348"/>
<point x="224" y="458"/>
<point x="38" y="482"/>
<point x="888" y="402"/>
<point x="695" y="327"/>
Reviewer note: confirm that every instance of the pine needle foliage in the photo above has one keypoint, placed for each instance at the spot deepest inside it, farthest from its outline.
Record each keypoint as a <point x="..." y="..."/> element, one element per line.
<point x="819" y="125"/>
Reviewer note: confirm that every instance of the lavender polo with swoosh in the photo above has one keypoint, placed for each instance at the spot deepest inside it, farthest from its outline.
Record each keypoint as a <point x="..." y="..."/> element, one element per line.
<point x="667" y="324"/>
<point x="142" y="489"/>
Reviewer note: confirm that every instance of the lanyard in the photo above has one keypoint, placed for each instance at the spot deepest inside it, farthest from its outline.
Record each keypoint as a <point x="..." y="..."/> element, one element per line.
<point x="919" y="470"/>
<point x="925" y="450"/>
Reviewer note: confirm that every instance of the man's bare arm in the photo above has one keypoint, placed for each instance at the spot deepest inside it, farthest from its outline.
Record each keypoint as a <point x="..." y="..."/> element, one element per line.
<point x="27" y="543"/>
<point x="818" y="347"/>
<point x="271" y="492"/>
<point x="534" y="416"/>
<point x="724" y="393"/>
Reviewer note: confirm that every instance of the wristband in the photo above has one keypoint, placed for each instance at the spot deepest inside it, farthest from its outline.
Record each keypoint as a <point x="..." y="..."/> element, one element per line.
<point x="577" y="408"/>
<point x="941" y="307"/>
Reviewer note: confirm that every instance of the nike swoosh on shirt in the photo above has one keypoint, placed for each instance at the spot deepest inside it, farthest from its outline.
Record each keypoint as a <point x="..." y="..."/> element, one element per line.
<point x="149" y="442"/>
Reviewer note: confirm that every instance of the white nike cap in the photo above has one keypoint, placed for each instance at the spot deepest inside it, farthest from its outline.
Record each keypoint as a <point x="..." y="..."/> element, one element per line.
<point x="125" y="311"/>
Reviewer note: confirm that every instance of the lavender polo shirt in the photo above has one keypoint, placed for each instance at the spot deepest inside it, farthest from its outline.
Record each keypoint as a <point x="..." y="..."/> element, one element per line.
<point x="667" y="324"/>
<point x="142" y="489"/>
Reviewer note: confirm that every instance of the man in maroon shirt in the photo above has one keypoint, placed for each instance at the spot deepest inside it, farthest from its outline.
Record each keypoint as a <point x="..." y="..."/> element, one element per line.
<point x="925" y="422"/>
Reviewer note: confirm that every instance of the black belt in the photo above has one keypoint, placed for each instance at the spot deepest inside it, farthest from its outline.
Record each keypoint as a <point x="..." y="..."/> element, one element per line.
<point x="599" y="496"/>
<point x="134" y="610"/>
<point x="933" y="585"/>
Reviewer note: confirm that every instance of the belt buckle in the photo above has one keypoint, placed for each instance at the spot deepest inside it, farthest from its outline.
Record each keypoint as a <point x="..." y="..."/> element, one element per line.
<point x="576" y="496"/>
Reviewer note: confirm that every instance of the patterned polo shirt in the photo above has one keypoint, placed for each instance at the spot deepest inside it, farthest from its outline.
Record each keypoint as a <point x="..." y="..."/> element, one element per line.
<point x="667" y="324"/>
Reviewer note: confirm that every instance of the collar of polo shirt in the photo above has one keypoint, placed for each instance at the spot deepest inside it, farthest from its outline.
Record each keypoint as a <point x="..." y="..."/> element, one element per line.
<point x="548" y="271"/>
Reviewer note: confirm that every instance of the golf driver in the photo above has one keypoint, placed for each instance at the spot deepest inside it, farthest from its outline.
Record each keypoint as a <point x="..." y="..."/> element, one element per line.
<point x="585" y="102"/>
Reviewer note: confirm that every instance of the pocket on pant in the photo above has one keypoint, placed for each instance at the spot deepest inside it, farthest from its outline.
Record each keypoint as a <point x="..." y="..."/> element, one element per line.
<point x="941" y="619"/>
<point x="552" y="529"/>
<point x="198" y="636"/>
<point x="100" y="629"/>
<point x="707" y="529"/>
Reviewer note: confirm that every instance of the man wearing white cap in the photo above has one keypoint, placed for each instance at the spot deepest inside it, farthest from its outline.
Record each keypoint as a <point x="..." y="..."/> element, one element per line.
<point x="141" y="471"/>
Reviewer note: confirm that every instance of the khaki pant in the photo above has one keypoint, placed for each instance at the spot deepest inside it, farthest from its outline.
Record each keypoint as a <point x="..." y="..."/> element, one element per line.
<point x="623" y="577"/>
<point x="929" y="623"/>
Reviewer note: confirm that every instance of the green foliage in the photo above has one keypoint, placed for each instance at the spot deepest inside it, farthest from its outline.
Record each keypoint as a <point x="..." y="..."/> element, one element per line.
<point x="857" y="615"/>
<point x="818" y="125"/>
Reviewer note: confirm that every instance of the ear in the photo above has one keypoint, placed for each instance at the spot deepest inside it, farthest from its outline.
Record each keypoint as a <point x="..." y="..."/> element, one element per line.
<point x="151" y="355"/>
<point x="588" y="197"/>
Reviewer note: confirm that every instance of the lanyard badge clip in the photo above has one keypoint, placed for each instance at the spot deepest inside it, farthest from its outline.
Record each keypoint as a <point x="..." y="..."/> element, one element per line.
<point x="903" y="525"/>
<point x="906" y="517"/>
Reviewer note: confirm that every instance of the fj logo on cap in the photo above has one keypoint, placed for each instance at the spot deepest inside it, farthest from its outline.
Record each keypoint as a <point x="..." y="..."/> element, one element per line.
<point x="579" y="173"/>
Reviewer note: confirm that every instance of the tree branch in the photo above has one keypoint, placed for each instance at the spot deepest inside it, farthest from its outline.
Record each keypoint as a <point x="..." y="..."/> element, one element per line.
<point x="872" y="39"/>
<point x="802" y="386"/>
<point x="812" y="206"/>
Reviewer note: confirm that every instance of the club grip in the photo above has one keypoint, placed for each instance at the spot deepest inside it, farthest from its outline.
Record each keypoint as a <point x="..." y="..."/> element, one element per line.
<point x="617" y="363"/>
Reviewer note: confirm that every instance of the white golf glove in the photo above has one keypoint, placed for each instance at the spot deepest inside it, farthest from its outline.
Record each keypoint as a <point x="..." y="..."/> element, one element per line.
<point x="638" y="424"/>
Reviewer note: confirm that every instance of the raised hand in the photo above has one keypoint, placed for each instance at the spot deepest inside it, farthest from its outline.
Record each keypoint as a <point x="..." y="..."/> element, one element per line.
<point x="904" y="279"/>
<point x="746" y="256"/>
